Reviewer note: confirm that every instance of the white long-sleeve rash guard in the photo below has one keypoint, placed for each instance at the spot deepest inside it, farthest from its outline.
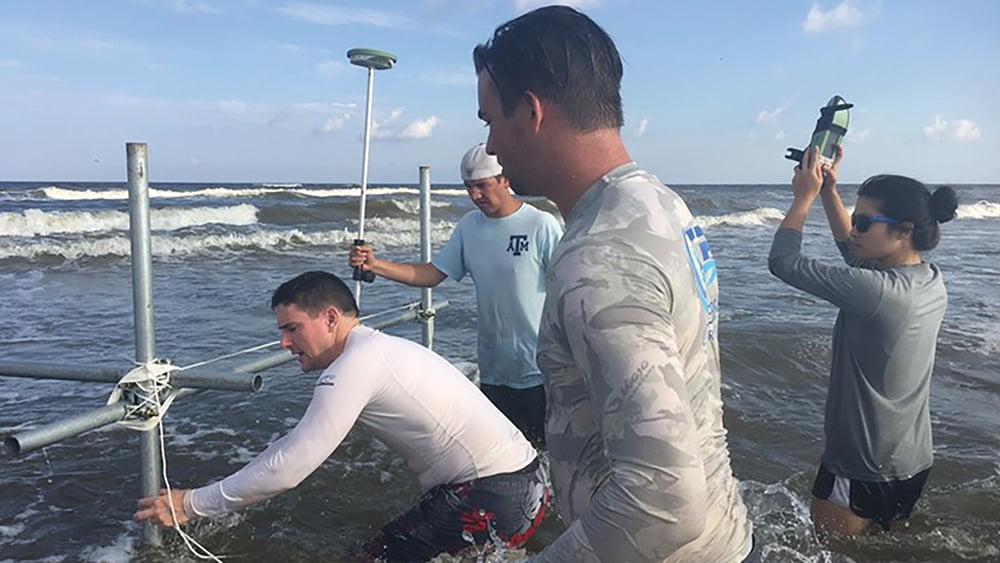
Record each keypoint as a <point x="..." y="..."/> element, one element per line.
<point x="413" y="400"/>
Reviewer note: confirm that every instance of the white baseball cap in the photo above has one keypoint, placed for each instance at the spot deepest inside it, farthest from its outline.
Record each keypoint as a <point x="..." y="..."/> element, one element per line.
<point x="477" y="165"/>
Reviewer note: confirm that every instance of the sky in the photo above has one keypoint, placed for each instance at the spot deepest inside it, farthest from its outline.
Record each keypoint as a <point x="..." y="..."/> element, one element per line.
<point x="714" y="91"/>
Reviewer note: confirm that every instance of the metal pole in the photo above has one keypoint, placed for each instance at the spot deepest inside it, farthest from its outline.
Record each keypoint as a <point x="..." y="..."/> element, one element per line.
<point x="426" y="298"/>
<point x="142" y="309"/>
<point x="364" y="172"/>
<point x="78" y="372"/>
<point x="42" y="436"/>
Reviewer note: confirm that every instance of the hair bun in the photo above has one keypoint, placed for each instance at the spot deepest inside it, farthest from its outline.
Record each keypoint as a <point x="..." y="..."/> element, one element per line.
<point x="944" y="202"/>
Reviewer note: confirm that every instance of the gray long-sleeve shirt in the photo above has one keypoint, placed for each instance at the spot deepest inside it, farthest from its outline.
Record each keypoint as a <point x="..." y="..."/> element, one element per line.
<point x="628" y="349"/>
<point x="877" y="422"/>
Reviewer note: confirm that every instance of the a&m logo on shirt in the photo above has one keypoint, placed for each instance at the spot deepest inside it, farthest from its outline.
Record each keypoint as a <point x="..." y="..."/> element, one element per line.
<point x="518" y="244"/>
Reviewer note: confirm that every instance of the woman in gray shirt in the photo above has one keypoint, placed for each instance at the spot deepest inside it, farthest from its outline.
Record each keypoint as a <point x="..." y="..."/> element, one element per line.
<point x="877" y="427"/>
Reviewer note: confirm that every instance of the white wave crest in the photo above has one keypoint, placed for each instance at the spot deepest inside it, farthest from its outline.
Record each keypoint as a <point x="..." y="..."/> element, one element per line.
<point x="385" y="233"/>
<point x="34" y="222"/>
<point x="120" y="550"/>
<point x="219" y="192"/>
<point x="413" y="205"/>
<point x="752" y="218"/>
<point x="979" y="210"/>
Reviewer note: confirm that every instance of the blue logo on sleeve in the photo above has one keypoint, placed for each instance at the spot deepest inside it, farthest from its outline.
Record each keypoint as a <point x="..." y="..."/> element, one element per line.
<point x="702" y="263"/>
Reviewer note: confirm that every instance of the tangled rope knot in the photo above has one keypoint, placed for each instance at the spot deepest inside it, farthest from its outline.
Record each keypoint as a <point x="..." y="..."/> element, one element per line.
<point x="147" y="391"/>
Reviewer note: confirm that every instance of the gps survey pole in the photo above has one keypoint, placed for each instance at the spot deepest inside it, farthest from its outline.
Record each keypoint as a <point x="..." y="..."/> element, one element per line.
<point x="372" y="60"/>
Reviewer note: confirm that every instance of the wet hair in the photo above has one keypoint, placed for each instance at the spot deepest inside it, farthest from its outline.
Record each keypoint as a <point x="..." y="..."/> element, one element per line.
<point x="560" y="55"/>
<point x="910" y="201"/>
<point x="314" y="291"/>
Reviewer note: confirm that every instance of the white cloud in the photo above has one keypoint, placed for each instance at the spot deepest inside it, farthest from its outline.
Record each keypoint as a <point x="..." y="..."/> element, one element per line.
<point x="335" y="123"/>
<point x="464" y="77"/>
<point x="230" y="107"/>
<point x="395" y="114"/>
<point x="97" y="44"/>
<point x="290" y="47"/>
<point x="526" y="5"/>
<point x="640" y="129"/>
<point x="965" y="130"/>
<point x="323" y="107"/>
<point x="331" y="68"/>
<point x="861" y="136"/>
<point x="420" y="128"/>
<point x="192" y="7"/>
<point x="10" y="63"/>
<point x="771" y="116"/>
<point x="338" y="15"/>
<point x="183" y="6"/>
<point x="233" y="106"/>
<point x="961" y="130"/>
<point x="780" y="135"/>
<point x="844" y="16"/>
<point x="389" y="128"/>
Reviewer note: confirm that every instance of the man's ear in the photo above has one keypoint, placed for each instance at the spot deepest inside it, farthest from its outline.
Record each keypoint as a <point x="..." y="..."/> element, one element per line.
<point x="536" y="110"/>
<point x="332" y="315"/>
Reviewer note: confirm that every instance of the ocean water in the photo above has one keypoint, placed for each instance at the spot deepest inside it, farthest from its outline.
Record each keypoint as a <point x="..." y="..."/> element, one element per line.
<point x="219" y="251"/>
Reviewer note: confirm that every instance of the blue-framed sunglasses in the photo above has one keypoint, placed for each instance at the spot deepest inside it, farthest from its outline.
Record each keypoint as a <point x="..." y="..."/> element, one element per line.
<point x="864" y="222"/>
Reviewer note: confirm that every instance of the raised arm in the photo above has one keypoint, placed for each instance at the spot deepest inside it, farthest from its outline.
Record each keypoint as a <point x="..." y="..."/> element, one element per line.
<point x="413" y="274"/>
<point x="836" y="214"/>
<point x="849" y="288"/>
<point x="806" y="184"/>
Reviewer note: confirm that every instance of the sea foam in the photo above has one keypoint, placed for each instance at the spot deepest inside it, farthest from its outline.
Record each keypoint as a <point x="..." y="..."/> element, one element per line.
<point x="66" y="194"/>
<point x="35" y="222"/>
<point x="979" y="210"/>
<point x="389" y="233"/>
<point x="752" y="218"/>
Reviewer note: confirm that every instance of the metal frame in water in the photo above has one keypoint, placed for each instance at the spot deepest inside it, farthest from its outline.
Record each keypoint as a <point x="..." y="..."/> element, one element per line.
<point x="189" y="382"/>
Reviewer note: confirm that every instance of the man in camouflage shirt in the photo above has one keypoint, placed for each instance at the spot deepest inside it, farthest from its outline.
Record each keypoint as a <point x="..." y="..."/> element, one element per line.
<point x="628" y="344"/>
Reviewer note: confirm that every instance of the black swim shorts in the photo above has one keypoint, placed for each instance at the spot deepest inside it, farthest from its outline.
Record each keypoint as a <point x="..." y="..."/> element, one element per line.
<point x="524" y="407"/>
<point x="505" y="508"/>
<point x="882" y="501"/>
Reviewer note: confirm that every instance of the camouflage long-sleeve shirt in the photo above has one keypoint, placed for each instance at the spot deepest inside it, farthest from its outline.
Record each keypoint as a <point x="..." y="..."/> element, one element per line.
<point x="628" y="348"/>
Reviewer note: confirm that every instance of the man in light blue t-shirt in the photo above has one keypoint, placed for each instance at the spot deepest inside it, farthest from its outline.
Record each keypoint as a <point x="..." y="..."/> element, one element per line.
<point x="505" y="246"/>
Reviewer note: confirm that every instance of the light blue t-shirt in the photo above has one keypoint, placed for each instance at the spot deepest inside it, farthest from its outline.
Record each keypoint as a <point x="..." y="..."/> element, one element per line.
<point x="506" y="258"/>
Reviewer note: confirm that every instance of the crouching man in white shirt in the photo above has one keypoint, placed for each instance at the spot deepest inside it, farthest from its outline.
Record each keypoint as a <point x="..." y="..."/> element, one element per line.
<point x="478" y="471"/>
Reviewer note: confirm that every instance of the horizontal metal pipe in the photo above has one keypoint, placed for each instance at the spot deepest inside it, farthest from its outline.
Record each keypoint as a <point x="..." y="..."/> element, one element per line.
<point x="73" y="372"/>
<point x="106" y="374"/>
<point x="51" y="433"/>
<point x="230" y="382"/>
<point x="192" y="382"/>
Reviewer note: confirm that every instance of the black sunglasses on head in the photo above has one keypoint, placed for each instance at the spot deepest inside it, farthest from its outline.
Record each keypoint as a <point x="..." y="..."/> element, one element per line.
<point x="864" y="222"/>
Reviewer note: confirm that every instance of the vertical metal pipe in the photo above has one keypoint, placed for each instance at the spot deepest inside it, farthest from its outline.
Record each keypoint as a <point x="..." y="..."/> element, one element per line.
<point x="142" y="310"/>
<point x="364" y="172"/>
<point x="426" y="299"/>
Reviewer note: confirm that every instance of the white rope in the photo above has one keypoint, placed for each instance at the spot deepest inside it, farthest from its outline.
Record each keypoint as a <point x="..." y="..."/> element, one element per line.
<point x="151" y="379"/>
<point x="144" y="386"/>
<point x="223" y="357"/>
<point x="407" y="307"/>
<point x="196" y="549"/>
